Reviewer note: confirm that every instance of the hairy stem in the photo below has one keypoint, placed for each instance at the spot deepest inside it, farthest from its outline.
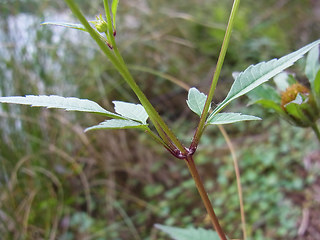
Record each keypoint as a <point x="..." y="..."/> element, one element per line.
<point x="204" y="196"/>
<point x="216" y="75"/>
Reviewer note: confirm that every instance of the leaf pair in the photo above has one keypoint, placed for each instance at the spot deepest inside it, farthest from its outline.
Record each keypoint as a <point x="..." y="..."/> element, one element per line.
<point x="128" y="115"/>
<point x="246" y="81"/>
<point x="196" y="101"/>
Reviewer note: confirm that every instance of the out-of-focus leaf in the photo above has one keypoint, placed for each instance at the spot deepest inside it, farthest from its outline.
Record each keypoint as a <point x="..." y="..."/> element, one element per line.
<point x="270" y="105"/>
<point x="264" y="92"/>
<point x="282" y="81"/>
<point x="226" y="118"/>
<point x="196" y="100"/>
<point x="257" y="74"/>
<point x="67" y="25"/>
<point x="116" y="124"/>
<point x="188" y="233"/>
<point x="132" y="111"/>
<point x="67" y="103"/>
<point x="312" y="64"/>
<point x="317" y="85"/>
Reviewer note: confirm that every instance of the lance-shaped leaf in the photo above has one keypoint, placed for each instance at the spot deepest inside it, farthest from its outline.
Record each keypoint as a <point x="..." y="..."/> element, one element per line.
<point x="312" y="64"/>
<point x="117" y="124"/>
<point x="226" y="118"/>
<point x="196" y="100"/>
<point x="114" y="8"/>
<point x="188" y="233"/>
<point x="67" y="25"/>
<point x="132" y="111"/>
<point x="66" y="103"/>
<point x="257" y="74"/>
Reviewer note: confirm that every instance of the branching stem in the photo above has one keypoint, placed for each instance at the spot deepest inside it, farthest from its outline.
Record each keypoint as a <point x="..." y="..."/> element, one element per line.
<point x="216" y="75"/>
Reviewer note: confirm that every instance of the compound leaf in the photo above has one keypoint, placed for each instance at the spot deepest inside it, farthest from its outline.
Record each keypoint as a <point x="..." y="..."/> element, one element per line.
<point x="257" y="74"/>
<point x="196" y="100"/>
<point x="117" y="124"/>
<point x="132" y="111"/>
<point x="66" y="103"/>
<point x="226" y="118"/>
<point x="67" y="25"/>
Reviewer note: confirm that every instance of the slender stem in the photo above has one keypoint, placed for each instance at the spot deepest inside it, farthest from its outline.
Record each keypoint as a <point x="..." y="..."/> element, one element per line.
<point x="216" y="75"/>
<point x="238" y="179"/>
<point x="205" y="199"/>
<point x="123" y="70"/>
<point x="316" y="131"/>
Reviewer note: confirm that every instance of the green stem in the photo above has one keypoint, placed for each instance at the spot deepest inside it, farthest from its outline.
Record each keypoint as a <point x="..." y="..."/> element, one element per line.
<point x="216" y="75"/>
<point x="123" y="70"/>
<point x="316" y="131"/>
<point x="204" y="196"/>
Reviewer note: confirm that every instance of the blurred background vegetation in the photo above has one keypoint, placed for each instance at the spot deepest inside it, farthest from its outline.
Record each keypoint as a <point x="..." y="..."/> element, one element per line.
<point x="56" y="182"/>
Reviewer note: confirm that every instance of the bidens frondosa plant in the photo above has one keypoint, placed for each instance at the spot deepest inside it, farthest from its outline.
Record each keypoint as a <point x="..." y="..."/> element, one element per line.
<point x="135" y="116"/>
<point x="294" y="102"/>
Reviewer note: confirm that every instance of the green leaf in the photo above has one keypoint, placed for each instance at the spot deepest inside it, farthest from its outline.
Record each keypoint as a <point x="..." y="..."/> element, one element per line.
<point x="282" y="81"/>
<point x="270" y="105"/>
<point x="196" y="100"/>
<point x="67" y="25"/>
<point x="317" y="85"/>
<point x="132" y="111"/>
<point x="257" y="74"/>
<point x="67" y="103"/>
<point x="188" y="233"/>
<point x="114" y="8"/>
<point x="226" y="118"/>
<point x="264" y="92"/>
<point x="312" y="64"/>
<point x="116" y="124"/>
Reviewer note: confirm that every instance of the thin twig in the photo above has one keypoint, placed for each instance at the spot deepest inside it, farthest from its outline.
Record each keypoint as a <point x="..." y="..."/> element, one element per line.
<point x="238" y="178"/>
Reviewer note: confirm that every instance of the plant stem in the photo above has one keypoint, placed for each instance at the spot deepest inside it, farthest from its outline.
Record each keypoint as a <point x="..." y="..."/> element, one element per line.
<point x="204" y="196"/>
<point x="216" y="75"/>
<point x="119" y="64"/>
<point x="316" y="131"/>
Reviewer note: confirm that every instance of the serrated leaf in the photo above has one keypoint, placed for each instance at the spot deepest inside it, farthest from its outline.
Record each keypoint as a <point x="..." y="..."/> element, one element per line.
<point x="114" y="8"/>
<point x="226" y="118"/>
<point x="312" y="64"/>
<point x="116" y="124"/>
<point x="188" y="233"/>
<point x="132" y="111"/>
<point x="196" y="100"/>
<point x="257" y="74"/>
<point x="67" y="25"/>
<point x="66" y="103"/>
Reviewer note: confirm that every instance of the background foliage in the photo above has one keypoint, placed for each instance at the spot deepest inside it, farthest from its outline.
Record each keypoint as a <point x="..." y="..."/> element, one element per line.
<point x="58" y="183"/>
